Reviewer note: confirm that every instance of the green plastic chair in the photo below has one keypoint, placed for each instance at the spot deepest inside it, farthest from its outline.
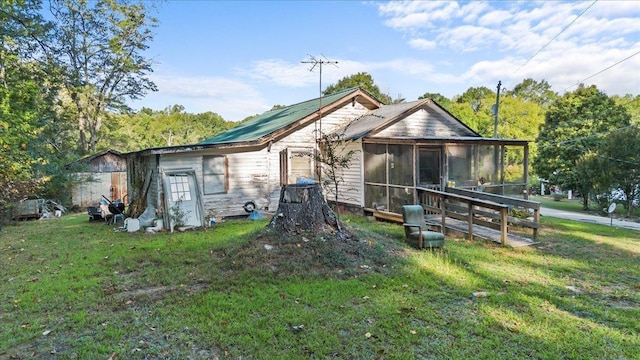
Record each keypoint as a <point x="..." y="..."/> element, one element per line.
<point x="415" y="228"/>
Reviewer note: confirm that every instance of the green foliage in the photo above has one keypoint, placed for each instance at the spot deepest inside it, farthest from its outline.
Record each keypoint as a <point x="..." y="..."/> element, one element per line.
<point x="537" y="92"/>
<point x="335" y="158"/>
<point x="362" y="80"/>
<point x="99" y="47"/>
<point x="574" y="125"/>
<point x="168" y="127"/>
<point x="620" y="150"/>
<point x="438" y="98"/>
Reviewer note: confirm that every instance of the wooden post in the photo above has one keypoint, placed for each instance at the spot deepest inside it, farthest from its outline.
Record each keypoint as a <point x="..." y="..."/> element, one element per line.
<point x="536" y="219"/>
<point x="503" y="226"/>
<point x="443" y="213"/>
<point x="470" y="220"/>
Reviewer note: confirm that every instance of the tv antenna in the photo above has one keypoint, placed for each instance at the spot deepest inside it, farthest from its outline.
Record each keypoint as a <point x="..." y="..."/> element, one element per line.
<point x="318" y="62"/>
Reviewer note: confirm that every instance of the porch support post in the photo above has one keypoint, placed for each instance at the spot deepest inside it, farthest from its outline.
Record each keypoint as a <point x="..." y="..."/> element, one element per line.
<point x="470" y="219"/>
<point x="503" y="226"/>
<point x="526" y="171"/>
<point x="502" y="156"/>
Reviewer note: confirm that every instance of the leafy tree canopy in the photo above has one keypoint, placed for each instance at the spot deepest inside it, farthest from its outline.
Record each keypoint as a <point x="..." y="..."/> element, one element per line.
<point x="538" y="92"/>
<point x="574" y="125"/>
<point x="362" y="80"/>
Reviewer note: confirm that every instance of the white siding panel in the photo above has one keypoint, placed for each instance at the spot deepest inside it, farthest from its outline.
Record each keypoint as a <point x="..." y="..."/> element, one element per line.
<point x="351" y="190"/>
<point x="425" y="123"/>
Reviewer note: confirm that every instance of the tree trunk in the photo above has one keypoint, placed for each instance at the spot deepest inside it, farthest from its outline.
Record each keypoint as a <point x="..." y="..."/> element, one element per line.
<point x="303" y="208"/>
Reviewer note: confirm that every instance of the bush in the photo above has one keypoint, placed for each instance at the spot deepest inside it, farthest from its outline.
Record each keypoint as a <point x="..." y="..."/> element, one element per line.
<point x="557" y="197"/>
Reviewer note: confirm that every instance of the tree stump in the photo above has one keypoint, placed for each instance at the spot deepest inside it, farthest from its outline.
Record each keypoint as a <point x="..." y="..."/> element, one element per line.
<point x="303" y="208"/>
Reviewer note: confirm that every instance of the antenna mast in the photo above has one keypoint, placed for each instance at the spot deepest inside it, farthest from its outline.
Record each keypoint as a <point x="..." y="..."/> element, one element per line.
<point x="318" y="62"/>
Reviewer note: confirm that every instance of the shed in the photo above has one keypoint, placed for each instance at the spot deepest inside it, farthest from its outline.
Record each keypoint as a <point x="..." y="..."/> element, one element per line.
<point x="101" y="174"/>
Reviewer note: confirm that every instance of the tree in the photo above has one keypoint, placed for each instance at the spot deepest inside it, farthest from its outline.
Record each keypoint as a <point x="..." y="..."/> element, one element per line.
<point x="364" y="81"/>
<point x="99" y="45"/>
<point x="622" y="150"/>
<point x="538" y="92"/>
<point x="473" y="108"/>
<point x="26" y="101"/>
<point x="438" y="98"/>
<point x="595" y="178"/>
<point x="334" y="158"/>
<point x="574" y="125"/>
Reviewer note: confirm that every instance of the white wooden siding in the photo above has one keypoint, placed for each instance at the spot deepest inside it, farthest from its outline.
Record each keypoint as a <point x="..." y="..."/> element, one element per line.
<point x="255" y="175"/>
<point x="426" y="122"/>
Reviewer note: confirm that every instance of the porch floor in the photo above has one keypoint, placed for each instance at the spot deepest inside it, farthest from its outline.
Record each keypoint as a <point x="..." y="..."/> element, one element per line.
<point x="481" y="232"/>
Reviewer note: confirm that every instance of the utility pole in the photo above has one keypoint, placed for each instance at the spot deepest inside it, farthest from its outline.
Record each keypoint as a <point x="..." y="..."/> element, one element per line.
<point x="318" y="125"/>
<point x="496" y="153"/>
<point x="495" y="113"/>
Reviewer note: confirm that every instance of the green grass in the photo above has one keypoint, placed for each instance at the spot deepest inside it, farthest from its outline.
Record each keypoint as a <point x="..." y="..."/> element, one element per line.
<point x="575" y="205"/>
<point x="219" y="293"/>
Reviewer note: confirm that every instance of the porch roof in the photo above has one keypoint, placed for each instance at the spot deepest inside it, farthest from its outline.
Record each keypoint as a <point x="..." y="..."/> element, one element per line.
<point x="435" y="140"/>
<point x="379" y="119"/>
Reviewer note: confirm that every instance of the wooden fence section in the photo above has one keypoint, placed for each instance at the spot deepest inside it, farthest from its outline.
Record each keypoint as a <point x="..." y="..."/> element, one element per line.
<point x="511" y="203"/>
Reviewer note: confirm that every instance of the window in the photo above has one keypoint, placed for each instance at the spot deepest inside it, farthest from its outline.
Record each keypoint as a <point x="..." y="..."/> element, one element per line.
<point x="301" y="164"/>
<point x="179" y="185"/>
<point x="296" y="165"/>
<point x="214" y="174"/>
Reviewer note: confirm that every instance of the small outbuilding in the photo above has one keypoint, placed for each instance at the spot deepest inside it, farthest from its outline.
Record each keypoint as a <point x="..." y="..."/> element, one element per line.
<point x="101" y="174"/>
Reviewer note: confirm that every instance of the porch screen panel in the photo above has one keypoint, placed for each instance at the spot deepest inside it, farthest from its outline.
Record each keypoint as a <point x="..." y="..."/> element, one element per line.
<point x="401" y="165"/>
<point x="460" y="160"/>
<point x="375" y="161"/>
<point x="429" y="167"/>
<point x="399" y="196"/>
<point x="487" y="165"/>
<point x="214" y="174"/>
<point x="376" y="197"/>
<point x="514" y="165"/>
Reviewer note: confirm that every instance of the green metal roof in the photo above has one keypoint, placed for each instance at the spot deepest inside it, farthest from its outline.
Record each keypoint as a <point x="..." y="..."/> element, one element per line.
<point x="273" y="120"/>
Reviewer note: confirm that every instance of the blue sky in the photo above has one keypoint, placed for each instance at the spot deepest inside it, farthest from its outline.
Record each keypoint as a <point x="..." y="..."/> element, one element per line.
<point x="239" y="58"/>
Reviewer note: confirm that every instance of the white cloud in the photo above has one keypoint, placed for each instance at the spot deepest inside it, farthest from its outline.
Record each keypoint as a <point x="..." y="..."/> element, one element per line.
<point x="422" y="44"/>
<point x="281" y="73"/>
<point x="515" y="40"/>
<point x="232" y="99"/>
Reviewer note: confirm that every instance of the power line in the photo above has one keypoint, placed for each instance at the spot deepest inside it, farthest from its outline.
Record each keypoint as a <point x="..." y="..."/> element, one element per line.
<point x="593" y="135"/>
<point x="555" y="37"/>
<point x="603" y="70"/>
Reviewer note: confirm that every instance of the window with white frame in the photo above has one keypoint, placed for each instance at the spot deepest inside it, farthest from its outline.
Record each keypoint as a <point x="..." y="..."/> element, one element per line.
<point x="179" y="186"/>
<point x="214" y="174"/>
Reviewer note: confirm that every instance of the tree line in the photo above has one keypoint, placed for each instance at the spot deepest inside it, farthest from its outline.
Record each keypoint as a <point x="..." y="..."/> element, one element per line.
<point x="65" y="80"/>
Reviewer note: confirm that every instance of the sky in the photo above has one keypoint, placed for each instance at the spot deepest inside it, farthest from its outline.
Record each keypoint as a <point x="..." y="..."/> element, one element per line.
<point x="240" y="58"/>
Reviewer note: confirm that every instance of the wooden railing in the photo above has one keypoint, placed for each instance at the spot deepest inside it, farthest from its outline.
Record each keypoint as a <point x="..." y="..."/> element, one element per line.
<point x="465" y="208"/>
<point x="511" y="202"/>
<point x="478" y="208"/>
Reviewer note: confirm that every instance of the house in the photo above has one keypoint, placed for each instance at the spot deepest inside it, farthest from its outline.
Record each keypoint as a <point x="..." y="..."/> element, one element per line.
<point x="245" y="165"/>
<point x="397" y="151"/>
<point x="101" y="174"/>
<point x="403" y="148"/>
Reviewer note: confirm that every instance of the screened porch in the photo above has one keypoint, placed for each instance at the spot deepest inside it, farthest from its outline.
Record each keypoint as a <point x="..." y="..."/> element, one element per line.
<point x="394" y="168"/>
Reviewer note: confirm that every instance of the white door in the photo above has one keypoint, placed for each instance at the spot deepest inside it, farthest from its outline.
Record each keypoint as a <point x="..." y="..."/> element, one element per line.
<point x="182" y="199"/>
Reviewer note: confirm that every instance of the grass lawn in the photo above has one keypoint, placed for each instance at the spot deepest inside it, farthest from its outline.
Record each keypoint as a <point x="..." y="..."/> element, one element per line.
<point x="70" y="289"/>
<point x="575" y="205"/>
